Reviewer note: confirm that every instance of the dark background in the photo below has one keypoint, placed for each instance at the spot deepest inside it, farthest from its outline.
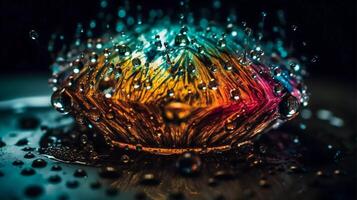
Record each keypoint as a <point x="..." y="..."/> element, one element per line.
<point x="328" y="27"/>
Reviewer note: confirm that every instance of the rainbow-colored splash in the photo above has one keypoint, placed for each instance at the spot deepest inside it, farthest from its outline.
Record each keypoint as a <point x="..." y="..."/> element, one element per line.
<point x="167" y="88"/>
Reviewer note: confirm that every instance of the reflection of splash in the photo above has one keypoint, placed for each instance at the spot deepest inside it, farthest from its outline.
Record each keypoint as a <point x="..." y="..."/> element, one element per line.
<point x="271" y="153"/>
<point x="168" y="88"/>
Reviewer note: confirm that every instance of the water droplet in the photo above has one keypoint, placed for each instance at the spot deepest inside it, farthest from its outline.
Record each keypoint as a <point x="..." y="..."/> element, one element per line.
<point x="29" y="155"/>
<point x="110" y="115"/>
<point x="278" y="89"/>
<point x="139" y="147"/>
<point x="136" y="62"/>
<point x="213" y="85"/>
<point x="93" y="57"/>
<point x="337" y="172"/>
<point x="319" y="173"/>
<point x="188" y="164"/>
<point x="56" y="168"/>
<point x="28" y="149"/>
<point x="72" y="184"/>
<point x="212" y="182"/>
<point x="202" y="86"/>
<point x="289" y="106"/>
<point x="137" y="84"/>
<point x="2" y="143"/>
<point x="224" y="175"/>
<point x="235" y="94"/>
<point x="61" y="101"/>
<point x="230" y="126"/>
<point x="28" y="171"/>
<point x="263" y="183"/>
<point x="181" y="40"/>
<point x="18" y="162"/>
<point x="294" y="27"/>
<point x="248" y="31"/>
<point x="80" y="173"/>
<point x="54" y="179"/>
<point x="34" y="191"/>
<point x="33" y="35"/>
<point x="39" y="163"/>
<point x="125" y="159"/>
<point x="109" y="172"/>
<point x="314" y="59"/>
<point x="122" y="50"/>
<point x="149" y="180"/>
<point x="22" y="142"/>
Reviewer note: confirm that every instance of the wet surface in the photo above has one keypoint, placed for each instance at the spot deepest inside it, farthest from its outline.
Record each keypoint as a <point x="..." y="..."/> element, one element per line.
<point x="45" y="156"/>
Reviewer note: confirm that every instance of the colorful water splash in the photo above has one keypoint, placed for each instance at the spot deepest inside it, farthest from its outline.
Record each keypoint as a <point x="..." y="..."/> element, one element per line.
<point x="169" y="86"/>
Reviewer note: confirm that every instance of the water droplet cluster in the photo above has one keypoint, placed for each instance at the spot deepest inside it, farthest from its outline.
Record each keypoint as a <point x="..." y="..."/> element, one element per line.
<point x="167" y="86"/>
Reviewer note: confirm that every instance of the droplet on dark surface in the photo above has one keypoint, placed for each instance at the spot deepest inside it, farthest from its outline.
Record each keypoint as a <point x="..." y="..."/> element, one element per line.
<point x="263" y="183"/>
<point x="188" y="164"/>
<point x="34" y="191"/>
<point x="80" y="173"/>
<point x="28" y="149"/>
<point x="149" y="179"/>
<point x="28" y="171"/>
<point x="223" y="175"/>
<point x="109" y="172"/>
<point x="29" y="155"/>
<point x="22" y="142"/>
<point x="39" y="163"/>
<point x="212" y="182"/>
<point x="337" y="172"/>
<point x="56" y="168"/>
<point x="54" y="179"/>
<point x="72" y="184"/>
<point x="17" y="163"/>
<point x="125" y="158"/>
<point x="28" y="122"/>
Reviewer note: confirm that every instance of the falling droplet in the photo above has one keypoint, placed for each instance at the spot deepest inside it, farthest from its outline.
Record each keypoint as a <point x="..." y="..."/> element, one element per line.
<point x="33" y="35"/>
<point x="294" y="27"/>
